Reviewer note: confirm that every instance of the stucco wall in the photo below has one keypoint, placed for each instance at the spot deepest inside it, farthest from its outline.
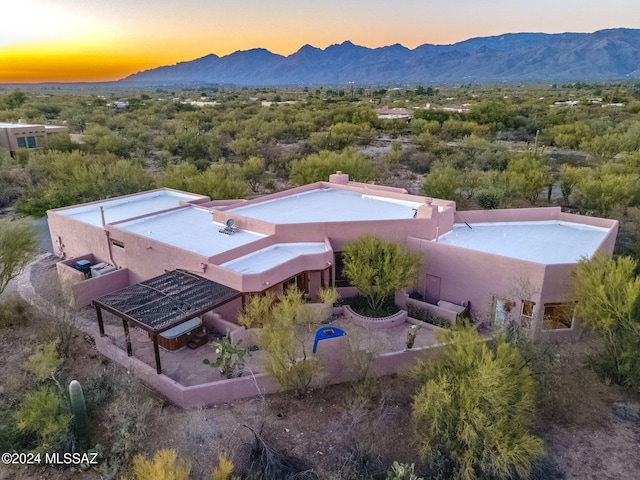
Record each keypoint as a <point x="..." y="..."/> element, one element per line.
<point x="468" y="275"/>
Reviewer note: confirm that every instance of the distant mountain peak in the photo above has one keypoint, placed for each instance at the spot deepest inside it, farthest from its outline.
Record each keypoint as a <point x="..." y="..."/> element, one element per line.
<point x="510" y="57"/>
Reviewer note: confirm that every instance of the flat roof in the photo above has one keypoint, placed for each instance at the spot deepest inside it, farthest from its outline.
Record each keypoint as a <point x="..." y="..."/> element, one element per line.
<point x="545" y="242"/>
<point x="272" y="256"/>
<point x="15" y="125"/>
<point x="328" y="205"/>
<point x="122" y="208"/>
<point x="190" y="228"/>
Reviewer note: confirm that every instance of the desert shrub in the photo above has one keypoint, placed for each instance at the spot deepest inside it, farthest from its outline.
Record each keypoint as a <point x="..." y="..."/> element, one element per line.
<point x="358" y="431"/>
<point x="362" y="350"/>
<point x="402" y="471"/>
<point x="14" y="312"/>
<point x="358" y="463"/>
<point x="224" y="469"/>
<point x="267" y="463"/>
<point x="257" y="312"/>
<point x="44" y="361"/>
<point x="476" y="408"/>
<point x="607" y="292"/>
<point x="329" y="295"/>
<point x="426" y="316"/>
<point x="489" y="199"/>
<point x="127" y="428"/>
<point x="318" y="167"/>
<point x="41" y="412"/>
<point x="164" y="465"/>
<point x="285" y="338"/>
<point x="68" y="178"/>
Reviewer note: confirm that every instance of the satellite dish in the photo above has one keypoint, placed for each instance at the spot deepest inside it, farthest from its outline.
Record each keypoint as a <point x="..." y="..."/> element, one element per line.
<point x="230" y="223"/>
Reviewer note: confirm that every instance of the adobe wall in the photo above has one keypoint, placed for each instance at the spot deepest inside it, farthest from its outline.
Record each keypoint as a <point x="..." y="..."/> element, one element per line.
<point x="468" y="275"/>
<point x="331" y="352"/>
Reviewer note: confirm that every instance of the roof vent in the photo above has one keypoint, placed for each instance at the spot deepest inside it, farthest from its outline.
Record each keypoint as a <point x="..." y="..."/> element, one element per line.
<point x="229" y="229"/>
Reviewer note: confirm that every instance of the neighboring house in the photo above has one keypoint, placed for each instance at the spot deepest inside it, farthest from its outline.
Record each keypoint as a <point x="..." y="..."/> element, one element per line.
<point x="464" y="108"/>
<point x="16" y="136"/>
<point x="394" y="113"/>
<point x="507" y="265"/>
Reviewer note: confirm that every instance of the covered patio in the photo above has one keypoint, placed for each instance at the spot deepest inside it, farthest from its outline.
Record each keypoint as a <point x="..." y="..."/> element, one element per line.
<point x="161" y="303"/>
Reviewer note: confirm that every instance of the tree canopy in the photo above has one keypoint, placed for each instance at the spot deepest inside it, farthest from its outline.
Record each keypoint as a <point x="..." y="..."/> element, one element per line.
<point x="378" y="268"/>
<point x="18" y="245"/>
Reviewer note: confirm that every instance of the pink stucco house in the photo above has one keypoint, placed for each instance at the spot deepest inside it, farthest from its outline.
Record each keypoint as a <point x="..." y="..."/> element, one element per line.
<point x="507" y="265"/>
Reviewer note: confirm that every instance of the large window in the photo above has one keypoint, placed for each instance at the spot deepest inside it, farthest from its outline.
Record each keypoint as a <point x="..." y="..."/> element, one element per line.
<point x="558" y="316"/>
<point x="26" y="142"/>
<point x="341" y="278"/>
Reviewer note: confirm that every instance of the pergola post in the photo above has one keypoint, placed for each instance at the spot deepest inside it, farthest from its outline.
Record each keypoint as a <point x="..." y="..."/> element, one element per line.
<point x="100" y="322"/>
<point x="125" y="325"/>
<point x="156" y="350"/>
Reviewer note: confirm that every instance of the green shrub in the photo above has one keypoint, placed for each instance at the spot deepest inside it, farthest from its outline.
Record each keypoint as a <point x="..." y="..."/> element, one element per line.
<point x="257" y="312"/>
<point x="44" y="361"/>
<point x="476" y="407"/>
<point x="14" y="312"/>
<point x="164" y="465"/>
<point x="608" y="299"/>
<point x="489" y="199"/>
<point x="285" y="340"/>
<point x="41" y="413"/>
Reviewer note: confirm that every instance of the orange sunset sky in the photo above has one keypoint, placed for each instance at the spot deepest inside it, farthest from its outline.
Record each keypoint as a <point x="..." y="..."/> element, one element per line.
<point x="103" y="40"/>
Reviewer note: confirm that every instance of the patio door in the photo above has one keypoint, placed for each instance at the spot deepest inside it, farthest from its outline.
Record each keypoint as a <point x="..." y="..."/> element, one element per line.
<point x="500" y="311"/>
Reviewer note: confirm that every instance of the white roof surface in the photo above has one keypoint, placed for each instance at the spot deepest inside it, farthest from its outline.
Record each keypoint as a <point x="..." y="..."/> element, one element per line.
<point x="123" y="208"/>
<point x="328" y="205"/>
<point x="272" y="256"/>
<point x="189" y="228"/>
<point x="546" y="242"/>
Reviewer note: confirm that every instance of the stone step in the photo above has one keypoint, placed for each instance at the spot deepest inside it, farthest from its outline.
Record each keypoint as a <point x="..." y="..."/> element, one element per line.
<point x="198" y="340"/>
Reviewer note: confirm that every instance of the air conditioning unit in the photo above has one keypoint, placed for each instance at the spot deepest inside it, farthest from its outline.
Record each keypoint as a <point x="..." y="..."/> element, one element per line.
<point x="100" y="269"/>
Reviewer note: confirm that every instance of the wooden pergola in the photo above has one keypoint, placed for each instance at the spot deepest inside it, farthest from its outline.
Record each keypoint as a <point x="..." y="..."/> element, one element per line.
<point x="163" y="302"/>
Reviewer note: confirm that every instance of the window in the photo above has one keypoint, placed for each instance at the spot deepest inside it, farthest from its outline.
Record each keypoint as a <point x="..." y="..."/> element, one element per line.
<point x="22" y="142"/>
<point x="31" y="142"/>
<point x="526" y="314"/>
<point x="301" y="282"/>
<point x="341" y="278"/>
<point x="558" y="316"/>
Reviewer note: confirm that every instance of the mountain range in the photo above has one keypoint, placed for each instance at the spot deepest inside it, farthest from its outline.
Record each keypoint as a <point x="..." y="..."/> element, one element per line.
<point x="612" y="54"/>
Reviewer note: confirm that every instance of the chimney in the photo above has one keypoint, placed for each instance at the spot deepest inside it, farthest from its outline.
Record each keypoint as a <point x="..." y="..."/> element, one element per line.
<point x="339" y="177"/>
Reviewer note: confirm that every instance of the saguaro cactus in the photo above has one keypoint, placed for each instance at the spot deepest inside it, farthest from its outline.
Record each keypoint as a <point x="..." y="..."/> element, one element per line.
<point x="80" y="418"/>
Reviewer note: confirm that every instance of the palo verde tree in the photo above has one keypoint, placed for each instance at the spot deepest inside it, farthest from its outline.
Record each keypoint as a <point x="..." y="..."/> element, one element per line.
<point x="18" y="245"/>
<point x="474" y="413"/>
<point x="378" y="268"/>
<point x="286" y="330"/>
<point x="607" y="292"/>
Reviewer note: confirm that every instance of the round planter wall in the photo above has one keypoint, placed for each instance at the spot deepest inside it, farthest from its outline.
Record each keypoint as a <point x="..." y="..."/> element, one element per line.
<point x="375" y="323"/>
